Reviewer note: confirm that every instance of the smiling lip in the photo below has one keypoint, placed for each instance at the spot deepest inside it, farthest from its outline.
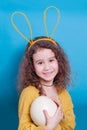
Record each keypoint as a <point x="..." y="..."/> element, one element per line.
<point x="48" y="73"/>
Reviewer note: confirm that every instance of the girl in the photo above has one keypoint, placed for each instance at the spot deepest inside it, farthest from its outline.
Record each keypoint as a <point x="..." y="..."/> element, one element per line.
<point x="45" y="70"/>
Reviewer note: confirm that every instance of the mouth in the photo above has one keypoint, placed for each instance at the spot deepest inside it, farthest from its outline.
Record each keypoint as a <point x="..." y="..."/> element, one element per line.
<point x="48" y="73"/>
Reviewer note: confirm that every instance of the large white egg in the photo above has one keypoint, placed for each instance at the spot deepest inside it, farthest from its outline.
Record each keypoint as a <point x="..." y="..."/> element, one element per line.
<point x="39" y="104"/>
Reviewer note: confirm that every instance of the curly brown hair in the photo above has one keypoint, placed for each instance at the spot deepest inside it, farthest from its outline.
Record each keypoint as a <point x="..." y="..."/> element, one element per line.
<point x="27" y="75"/>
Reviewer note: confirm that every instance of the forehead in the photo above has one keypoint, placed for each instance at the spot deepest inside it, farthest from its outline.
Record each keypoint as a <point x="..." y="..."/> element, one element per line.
<point x="43" y="53"/>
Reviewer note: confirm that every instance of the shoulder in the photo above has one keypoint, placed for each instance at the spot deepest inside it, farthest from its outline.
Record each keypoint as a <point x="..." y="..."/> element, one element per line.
<point x="30" y="89"/>
<point x="64" y="95"/>
<point x="30" y="92"/>
<point x="65" y="99"/>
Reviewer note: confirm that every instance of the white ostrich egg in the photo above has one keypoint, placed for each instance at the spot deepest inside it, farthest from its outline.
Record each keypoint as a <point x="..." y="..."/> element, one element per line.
<point x="39" y="104"/>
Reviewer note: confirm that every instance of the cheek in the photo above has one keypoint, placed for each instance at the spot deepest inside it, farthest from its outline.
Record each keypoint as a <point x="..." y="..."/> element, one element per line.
<point x="38" y="69"/>
<point x="56" y="66"/>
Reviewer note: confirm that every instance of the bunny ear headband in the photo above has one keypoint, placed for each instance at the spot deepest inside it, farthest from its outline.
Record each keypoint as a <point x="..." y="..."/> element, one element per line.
<point x="29" y="25"/>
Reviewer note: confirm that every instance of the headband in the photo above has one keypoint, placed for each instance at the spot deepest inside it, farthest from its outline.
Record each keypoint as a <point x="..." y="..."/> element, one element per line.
<point x="49" y="38"/>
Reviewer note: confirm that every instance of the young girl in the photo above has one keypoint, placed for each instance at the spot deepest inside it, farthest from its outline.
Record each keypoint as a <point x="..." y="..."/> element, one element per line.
<point x="45" y="70"/>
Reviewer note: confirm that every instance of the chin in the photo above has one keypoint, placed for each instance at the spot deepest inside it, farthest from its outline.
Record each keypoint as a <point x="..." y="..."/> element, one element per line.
<point x="48" y="80"/>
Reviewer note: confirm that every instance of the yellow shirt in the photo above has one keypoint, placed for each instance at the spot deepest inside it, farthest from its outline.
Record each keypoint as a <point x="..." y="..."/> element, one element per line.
<point x="28" y="95"/>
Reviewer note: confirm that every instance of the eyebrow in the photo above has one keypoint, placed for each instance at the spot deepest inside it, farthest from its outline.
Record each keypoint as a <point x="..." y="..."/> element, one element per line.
<point x="42" y="59"/>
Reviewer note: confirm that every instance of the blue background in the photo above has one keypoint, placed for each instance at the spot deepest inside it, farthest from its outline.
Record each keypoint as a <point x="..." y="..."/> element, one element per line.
<point x="72" y="36"/>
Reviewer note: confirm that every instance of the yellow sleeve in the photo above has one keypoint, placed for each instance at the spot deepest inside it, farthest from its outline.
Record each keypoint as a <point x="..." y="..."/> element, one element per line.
<point x="68" y="123"/>
<point x="26" y="98"/>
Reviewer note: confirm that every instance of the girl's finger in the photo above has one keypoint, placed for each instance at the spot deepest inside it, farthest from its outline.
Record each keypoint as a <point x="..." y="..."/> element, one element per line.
<point x="46" y="115"/>
<point x="56" y="101"/>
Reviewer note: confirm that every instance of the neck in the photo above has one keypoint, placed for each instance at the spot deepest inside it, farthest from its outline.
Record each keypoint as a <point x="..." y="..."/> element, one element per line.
<point x="47" y="85"/>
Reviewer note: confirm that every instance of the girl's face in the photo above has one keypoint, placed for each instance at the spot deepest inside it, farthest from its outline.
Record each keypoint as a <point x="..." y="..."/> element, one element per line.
<point x="46" y="65"/>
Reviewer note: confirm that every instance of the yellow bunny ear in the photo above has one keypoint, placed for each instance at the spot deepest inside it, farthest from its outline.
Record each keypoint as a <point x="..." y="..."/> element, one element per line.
<point x="57" y="22"/>
<point x="16" y="28"/>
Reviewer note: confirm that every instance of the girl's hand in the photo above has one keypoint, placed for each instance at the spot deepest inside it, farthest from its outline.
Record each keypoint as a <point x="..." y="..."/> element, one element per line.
<point x="52" y="122"/>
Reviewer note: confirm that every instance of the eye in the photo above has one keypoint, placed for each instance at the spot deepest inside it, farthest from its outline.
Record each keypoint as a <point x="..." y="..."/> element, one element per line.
<point x="51" y="60"/>
<point x="40" y="63"/>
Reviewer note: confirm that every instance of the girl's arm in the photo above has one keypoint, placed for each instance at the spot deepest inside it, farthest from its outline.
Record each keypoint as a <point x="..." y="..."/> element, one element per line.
<point x="26" y="98"/>
<point x="68" y="122"/>
<point x="63" y="118"/>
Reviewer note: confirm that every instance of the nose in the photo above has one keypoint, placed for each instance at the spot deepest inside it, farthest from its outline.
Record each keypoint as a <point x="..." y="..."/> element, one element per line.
<point x="46" y="66"/>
